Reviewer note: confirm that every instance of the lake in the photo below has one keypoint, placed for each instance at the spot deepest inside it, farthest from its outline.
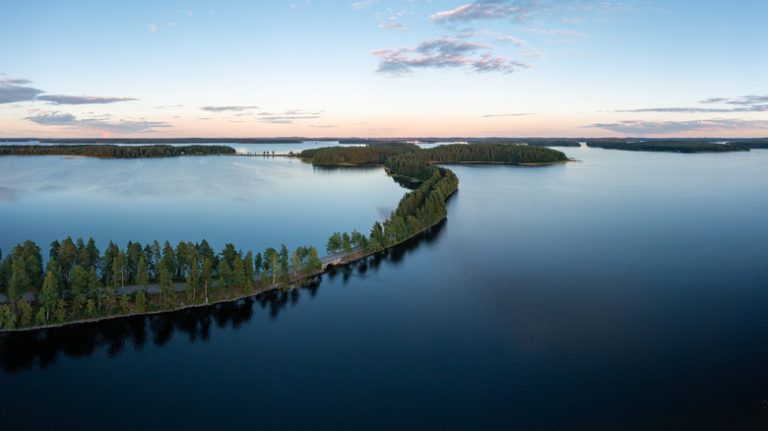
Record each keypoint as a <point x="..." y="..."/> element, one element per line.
<point x="623" y="291"/>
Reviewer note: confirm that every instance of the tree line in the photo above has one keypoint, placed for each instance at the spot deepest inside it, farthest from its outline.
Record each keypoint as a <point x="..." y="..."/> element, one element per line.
<point x="115" y="151"/>
<point x="79" y="282"/>
<point x="453" y="153"/>
<point x="417" y="210"/>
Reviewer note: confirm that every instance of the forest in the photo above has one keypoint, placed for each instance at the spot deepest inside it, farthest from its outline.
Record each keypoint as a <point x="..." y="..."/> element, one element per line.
<point x="674" y="146"/>
<point x="161" y="141"/>
<point x="452" y="153"/>
<point x="78" y="282"/>
<point x="115" y="151"/>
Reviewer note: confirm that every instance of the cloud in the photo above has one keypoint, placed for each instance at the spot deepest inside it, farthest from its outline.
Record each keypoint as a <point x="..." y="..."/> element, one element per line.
<point x="444" y="53"/>
<point x="392" y="25"/>
<point x="750" y="103"/>
<point x="514" y="114"/>
<point x="485" y="9"/>
<point x="744" y="100"/>
<point x="57" y="99"/>
<point x="53" y="118"/>
<point x="509" y="40"/>
<point x="363" y="4"/>
<point x="323" y="126"/>
<point x="634" y="127"/>
<point x="56" y="118"/>
<point x="228" y="108"/>
<point x="289" y="116"/>
<point x="152" y="28"/>
<point x="16" y="90"/>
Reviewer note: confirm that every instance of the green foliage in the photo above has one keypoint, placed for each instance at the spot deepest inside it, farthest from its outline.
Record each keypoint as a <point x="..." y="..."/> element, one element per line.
<point x="412" y="161"/>
<point x="142" y="274"/>
<point x="60" y="311"/>
<point x="40" y="318"/>
<point x="49" y="294"/>
<point x="115" y="151"/>
<point x="207" y="275"/>
<point x="334" y="244"/>
<point x="25" y="313"/>
<point x="371" y="154"/>
<point x="90" y="309"/>
<point x="313" y="260"/>
<point x="7" y="317"/>
<point x="668" y="145"/>
<point x="166" y="284"/>
<point x="249" y="272"/>
<point x="285" y="263"/>
<point x="124" y="304"/>
<point x="140" y="300"/>
<point x="238" y="273"/>
<point x="225" y="275"/>
<point x="492" y="153"/>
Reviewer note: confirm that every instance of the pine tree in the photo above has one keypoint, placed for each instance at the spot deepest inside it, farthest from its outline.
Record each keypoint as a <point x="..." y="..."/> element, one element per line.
<point x="207" y="276"/>
<point x="142" y="274"/>
<point x="166" y="284"/>
<point x="49" y="294"/>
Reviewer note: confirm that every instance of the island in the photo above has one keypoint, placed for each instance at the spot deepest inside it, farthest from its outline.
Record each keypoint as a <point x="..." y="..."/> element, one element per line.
<point x="115" y="151"/>
<point x="79" y="283"/>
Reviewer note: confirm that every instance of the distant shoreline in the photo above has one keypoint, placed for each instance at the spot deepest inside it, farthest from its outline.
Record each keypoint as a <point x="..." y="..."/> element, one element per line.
<point x="671" y="145"/>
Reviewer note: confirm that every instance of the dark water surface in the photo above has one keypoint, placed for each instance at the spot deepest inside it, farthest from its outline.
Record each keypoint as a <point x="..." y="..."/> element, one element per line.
<point x="627" y="291"/>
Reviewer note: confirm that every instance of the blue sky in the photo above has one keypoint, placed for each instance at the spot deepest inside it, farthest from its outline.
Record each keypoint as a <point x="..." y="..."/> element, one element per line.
<point x="384" y="68"/>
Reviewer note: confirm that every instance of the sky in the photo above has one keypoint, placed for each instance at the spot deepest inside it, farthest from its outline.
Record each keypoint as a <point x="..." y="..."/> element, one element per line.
<point x="378" y="68"/>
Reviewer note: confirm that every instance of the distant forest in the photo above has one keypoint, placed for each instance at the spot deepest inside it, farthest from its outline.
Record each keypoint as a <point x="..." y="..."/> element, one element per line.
<point x="692" y="145"/>
<point x="679" y="145"/>
<point x="454" y="153"/>
<point x="115" y="151"/>
<point x="159" y="140"/>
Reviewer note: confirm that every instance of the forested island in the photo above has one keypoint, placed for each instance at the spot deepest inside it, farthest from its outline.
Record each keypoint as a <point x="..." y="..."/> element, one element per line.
<point x="115" y="151"/>
<point x="681" y="145"/>
<point x="443" y="154"/>
<point x="127" y="141"/>
<point x="669" y="146"/>
<point x="677" y="145"/>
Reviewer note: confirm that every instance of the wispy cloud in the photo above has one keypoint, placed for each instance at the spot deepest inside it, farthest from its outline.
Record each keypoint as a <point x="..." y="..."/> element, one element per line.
<point x="444" y="53"/>
<point x="486" y="9"/>
<point x="643" y="128"/>
<point x="55" y="118"/>
<point x="506" y="39"/>
<point x="362" y="4"/>
<point x="392" y="25"/>
<point x="228" y="108"/>
<point x="58" y="99"/>
<point x="288" y="117"/>
<point x="743" y="100"/>
<point x="750" y="103"/>
<point x="152" y="28"/>
<point x="17" y="90"/>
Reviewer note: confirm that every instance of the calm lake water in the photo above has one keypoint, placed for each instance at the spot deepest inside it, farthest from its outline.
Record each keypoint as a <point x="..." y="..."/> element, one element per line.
<point x="251" y="202"/>
<point x="625" y="291"/>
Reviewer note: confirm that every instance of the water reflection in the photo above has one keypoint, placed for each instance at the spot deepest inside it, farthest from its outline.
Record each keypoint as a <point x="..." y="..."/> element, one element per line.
<point x="41" y="349"/>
